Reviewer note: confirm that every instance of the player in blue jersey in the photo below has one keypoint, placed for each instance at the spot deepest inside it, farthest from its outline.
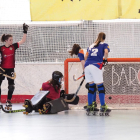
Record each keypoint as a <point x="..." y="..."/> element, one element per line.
<point x="77" y="50"/>
<point x="93" y="71"/>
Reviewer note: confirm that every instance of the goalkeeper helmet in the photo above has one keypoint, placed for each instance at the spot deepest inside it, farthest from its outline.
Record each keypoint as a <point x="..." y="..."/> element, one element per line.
<point x="57" y="76"/>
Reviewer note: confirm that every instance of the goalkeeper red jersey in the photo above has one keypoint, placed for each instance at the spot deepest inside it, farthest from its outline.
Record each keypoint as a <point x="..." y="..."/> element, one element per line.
<point x="8" y="56"/>
<point x="53" y="94"/>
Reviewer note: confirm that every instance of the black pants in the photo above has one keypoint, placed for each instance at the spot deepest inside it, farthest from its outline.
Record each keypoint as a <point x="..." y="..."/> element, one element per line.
<point x="11" y="83"/>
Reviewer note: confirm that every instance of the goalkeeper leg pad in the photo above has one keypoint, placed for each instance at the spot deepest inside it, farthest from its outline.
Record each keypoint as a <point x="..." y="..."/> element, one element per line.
<point x="38" y="99"/>
<point x="35" y="102"/>
<point x="56" y="106"/>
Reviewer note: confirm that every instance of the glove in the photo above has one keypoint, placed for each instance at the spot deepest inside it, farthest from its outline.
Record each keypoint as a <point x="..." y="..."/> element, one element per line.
<point x="105" y="62"/>
<point x="83" y="74"/>
<point x="25" y="28"/>
<point x="62" y="93"/>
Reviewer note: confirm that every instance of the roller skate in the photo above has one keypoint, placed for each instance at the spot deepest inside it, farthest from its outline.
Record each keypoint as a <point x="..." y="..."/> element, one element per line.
<point x="8" y="105"/>
<point x="92" y="109"/>
<point x="85" y="107"/>
<point x="104" y="110"/>
<point x="28" y="106"/>
<point x="46" y="109"/>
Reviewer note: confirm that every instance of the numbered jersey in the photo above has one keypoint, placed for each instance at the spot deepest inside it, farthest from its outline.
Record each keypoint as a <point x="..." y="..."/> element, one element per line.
<point x="96" y="54"/>
<point x="82" y="54"/>
<point x="8" y="55"/>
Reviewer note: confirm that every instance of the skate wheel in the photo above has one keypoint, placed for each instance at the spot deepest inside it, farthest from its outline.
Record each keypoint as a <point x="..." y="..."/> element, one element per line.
<point x="24" y="112"/>
<point x="44" y="108"/>
<point x="40" y="112"/>
<point x="27" y="113"/>
<point x="87" y="113"/>
<point x="106" y="114"/>
<point x="94" y="113"/>
<point x="101" y="114"/>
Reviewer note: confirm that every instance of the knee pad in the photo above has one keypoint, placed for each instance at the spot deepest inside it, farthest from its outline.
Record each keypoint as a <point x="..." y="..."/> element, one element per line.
<point x="93" y="87"/>
<point x="11" y="87"/>
<point x="101" y="88"/>
<point x="87" y="86"/>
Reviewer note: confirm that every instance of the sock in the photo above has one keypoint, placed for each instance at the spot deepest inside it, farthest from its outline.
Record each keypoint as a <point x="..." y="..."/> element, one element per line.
<point x="101" y="95"/>
<point x="90" y="95"/>
<point x="94" y="97"/>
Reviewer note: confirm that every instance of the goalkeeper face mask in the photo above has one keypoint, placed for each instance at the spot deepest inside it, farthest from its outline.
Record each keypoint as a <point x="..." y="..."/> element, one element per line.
<point x="60" y="80"/>
<point x="57" y="76"/>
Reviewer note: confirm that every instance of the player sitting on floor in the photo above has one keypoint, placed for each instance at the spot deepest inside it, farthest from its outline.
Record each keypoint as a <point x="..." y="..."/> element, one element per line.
<point x="53" y="93"/>
<point x="54" y="86"/>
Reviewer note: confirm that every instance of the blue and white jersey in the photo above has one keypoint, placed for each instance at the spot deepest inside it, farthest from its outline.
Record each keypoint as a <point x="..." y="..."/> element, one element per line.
<point x="96" y="54"/>
<point x="82" y="54"/>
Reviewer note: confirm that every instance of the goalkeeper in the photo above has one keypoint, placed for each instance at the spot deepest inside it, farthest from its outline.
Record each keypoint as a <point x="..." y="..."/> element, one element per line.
<point x="8" y="61"/>
<point x="55" y="92"/>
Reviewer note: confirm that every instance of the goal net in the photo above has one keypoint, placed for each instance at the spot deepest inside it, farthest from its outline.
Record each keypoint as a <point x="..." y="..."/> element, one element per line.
<point x="121" y="81"/>
<point x="46" y="49"/>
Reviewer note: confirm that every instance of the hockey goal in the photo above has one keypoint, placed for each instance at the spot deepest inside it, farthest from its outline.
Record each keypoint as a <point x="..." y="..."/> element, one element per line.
<point x="121" y="80"/>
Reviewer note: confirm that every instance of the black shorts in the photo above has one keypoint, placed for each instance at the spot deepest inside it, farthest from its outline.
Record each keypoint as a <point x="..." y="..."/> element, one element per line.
<point x="8" y="72"/>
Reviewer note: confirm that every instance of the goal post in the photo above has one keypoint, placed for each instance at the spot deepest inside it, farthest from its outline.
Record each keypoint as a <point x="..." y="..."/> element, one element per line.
<point x="121" y="80"/>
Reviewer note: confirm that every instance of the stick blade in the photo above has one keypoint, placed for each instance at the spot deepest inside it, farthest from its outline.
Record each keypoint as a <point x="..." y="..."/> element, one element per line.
<point x="74" y="78"/>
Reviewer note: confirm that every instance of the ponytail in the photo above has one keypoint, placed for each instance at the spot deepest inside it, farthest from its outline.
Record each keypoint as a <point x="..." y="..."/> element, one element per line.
<point x="75" y="49"/>
<point x="97" y="44"/>
<point x="5" y="37"/>
<point x="100" y="38"/>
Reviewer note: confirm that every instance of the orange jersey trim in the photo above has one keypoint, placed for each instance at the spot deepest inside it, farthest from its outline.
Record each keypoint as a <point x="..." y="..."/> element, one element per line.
<point x="81" y="51"/>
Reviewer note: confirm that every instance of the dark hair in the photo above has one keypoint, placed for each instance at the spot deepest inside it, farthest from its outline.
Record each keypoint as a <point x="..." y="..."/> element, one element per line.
<point x="75" y="49"/>
<point x="55" y="80"/>
<point x="55" y="85"/>
<point x="5" y="37"/>
<point x="100" y="38"/>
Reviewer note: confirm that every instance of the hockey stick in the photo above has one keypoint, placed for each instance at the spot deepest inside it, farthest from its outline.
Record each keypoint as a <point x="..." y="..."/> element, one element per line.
<point x="68" y="101"/>
<point x="11" y="77"/>
<point x="2" y="72"/>
<point x="75" y="79"/>
<point x="11" y="111"/>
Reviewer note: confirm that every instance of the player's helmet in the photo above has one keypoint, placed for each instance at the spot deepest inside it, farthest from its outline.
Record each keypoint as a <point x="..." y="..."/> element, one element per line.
<point x="57" y="76"/>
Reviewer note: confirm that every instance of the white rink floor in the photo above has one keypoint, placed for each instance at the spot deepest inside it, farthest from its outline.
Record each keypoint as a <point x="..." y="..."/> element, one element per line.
<point x="70" y="125"/>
